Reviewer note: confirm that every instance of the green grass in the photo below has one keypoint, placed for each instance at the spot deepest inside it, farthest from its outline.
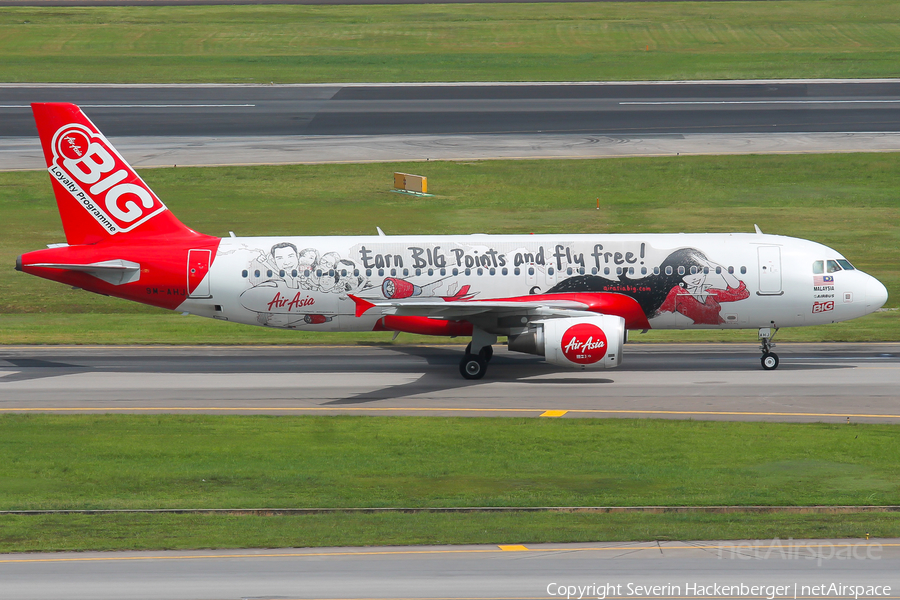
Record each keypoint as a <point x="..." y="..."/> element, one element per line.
<point x="186" y="532"/>
<point x="480" y="42"/>
<point x="165" y="461"/>
<point x="850" y="202"/>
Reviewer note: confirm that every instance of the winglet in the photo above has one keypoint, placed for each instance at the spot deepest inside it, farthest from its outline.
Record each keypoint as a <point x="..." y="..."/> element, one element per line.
<point x="362" y="306"/>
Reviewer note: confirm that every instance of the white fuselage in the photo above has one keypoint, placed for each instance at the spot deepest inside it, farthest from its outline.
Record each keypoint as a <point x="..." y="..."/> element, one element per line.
<point x="681" y="281"/>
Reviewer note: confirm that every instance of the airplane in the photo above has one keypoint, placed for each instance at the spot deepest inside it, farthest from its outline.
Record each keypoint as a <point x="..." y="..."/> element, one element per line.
<point x="569" y="298"/>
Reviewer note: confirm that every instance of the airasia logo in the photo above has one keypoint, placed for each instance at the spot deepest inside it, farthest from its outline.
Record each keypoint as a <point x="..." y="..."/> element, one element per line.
<point x="295" y="303"/>
<point x="584" y="344"/>
<point x="100" y="180"/>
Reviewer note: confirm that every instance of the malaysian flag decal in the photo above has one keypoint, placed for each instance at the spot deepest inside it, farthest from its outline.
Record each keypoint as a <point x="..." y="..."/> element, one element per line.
<point x="823" y="279"/>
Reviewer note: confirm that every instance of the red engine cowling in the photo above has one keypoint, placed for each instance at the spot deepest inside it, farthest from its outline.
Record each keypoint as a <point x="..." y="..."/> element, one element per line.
<point x="580" y="342"/>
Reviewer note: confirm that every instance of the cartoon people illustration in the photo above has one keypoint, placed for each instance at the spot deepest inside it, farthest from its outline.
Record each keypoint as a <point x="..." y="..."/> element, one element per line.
<point x="704" y="286"/>
<point x="286" y="260"/>
<point x="326" y="271"/>
<point x="686" y="282"/>
<point x="307" y="260"/>
<point x="349" y="279"/>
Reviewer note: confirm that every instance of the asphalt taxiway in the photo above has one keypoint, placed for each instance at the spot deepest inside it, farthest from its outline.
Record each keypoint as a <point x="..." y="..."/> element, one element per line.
<point x="773" y="568"/>
<point x="815" y="382"/>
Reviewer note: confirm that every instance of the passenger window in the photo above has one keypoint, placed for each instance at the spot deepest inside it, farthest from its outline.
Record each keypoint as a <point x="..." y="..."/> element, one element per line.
<point x="618" y="270"/>
<point x="669" y="270"/>
<point x="393" y="273"/>
<point x="718" y="270"/>
<point x="480" y="271"/>
<point x="380" y="272"/>
<point x="269" y="273"/>
<point x="293" y="272"/>
<point x="833" y="267"/>
<point x="368" y="273"/>
<point x="606" y="270"/>
<point x="731" y="270"/>
<point x="319" y="272"/>
<point x="681" y="270"/>
<point x="550" y="271"/>
<point x="504" y="271"/>
<point x="846" y="264"/>
<point x="256" y="273"/>
<point x="518" y="271"/>
<point x="443" y="272"/>
<point x="418" y="272"/>
<point x="455" y="271"/>
<point x="631" y="270"/>
<point x="430" y="272"/>
<point x="406" y="272"/>
<point x="593" y="270"/>
<point x="493" y="271"/>
<point x="693" y="270"/>
<point x="818" y="267"/>
<point x="531" y="270"/>
<point x="356" y="272"/>
<point x="581" y="271"/>
<point x="643" y="270"/>
<point x="569" y="271"/>
<point x="281" y="273"/>
<point x="245" y="273"/>
<point x="343" y="272"/>
<point x="743" y="270"/>
<point x="706" y="270"/>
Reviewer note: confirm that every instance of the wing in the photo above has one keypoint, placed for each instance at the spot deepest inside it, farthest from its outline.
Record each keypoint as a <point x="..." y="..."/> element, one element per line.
<point x="516" y="310"/>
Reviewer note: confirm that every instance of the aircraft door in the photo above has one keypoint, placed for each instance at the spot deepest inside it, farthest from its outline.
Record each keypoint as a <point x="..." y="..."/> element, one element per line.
<point x="770" y="271"/>
<point x="198" y="268"/>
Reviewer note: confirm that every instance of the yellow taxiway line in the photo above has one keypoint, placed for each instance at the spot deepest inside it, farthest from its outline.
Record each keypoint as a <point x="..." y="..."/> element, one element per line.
<point x="363" y="409"/>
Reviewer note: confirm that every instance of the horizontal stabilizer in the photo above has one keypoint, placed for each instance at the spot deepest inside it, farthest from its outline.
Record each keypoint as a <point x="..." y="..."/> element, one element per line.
<point x="115" y="272"/>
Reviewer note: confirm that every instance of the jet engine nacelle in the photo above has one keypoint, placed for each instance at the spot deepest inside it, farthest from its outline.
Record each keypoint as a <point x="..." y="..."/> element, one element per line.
<point x="580" y="342"/>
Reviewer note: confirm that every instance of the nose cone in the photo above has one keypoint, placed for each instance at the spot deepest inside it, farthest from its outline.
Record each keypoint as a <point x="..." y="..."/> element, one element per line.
<point x="876" y="295"/>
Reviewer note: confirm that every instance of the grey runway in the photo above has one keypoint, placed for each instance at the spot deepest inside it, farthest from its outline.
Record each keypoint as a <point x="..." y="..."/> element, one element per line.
<point x="654" y="108"/>
<point x="815" y="382"/>
<point x="165" y="125"/>
<point x="777" y="569"/>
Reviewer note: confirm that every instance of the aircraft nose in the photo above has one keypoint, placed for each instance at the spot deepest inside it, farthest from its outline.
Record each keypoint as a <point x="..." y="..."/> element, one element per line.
<point x="876" y="294"/>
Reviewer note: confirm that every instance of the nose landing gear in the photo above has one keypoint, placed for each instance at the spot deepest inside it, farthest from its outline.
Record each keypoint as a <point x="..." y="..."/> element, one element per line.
<point x="769" y="360"/>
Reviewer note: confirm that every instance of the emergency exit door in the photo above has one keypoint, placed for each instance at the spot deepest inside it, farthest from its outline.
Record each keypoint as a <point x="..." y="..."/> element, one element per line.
<point x="770" y="271"/>
<point x="198" y="269"/>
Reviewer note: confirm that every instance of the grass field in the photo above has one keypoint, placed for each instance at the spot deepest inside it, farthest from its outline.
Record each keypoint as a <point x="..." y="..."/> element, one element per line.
<point x="850" y="202"/>
<point x="480" y="42"/>
<point x="164" y="461"/>
<point x="185" y="532"/>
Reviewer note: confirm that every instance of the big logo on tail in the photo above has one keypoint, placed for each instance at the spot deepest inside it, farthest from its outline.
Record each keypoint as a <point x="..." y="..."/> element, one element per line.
<point x="87" y="165"/>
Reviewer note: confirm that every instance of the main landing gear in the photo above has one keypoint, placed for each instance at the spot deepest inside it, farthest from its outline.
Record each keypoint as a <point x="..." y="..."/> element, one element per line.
<point x="769" y="359"/>
<point x="478" y="354"/>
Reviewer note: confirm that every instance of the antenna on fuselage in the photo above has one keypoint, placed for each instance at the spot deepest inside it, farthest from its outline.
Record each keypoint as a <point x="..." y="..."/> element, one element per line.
<point x="380" y="232"/>
<point x="758" y="230"/>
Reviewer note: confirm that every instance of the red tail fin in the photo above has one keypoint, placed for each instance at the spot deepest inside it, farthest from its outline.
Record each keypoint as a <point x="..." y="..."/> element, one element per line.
<point x="99" y="195"/>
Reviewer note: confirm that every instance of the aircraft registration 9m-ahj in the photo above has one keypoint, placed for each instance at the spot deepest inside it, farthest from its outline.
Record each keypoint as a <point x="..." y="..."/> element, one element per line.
<point x="569" y="298"/>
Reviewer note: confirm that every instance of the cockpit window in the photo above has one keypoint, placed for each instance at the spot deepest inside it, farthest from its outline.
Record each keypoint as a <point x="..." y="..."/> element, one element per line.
<point x="846" y="264"/>
<point x="818" y="267"/>
<point x="833" y="266"/>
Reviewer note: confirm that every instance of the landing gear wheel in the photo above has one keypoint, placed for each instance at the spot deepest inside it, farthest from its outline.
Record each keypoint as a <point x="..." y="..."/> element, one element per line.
<point x="769" y="361"/>
<point x="472" y="367"/>
<point x="486" y="353"/>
